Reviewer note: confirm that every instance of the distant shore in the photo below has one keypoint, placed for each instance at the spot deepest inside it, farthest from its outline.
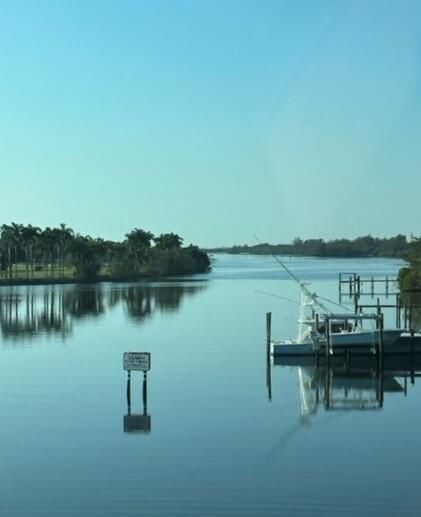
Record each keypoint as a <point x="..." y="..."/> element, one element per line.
<point x="363" y="247"/>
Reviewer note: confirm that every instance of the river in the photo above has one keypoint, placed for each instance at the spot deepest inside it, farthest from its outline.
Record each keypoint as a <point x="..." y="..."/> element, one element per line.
<point x="209" y="441"/>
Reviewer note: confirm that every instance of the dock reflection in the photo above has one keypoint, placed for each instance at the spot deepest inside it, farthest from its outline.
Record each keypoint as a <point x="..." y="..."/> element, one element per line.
<point x="360" y="385"/>
<point x="27" y="312"/>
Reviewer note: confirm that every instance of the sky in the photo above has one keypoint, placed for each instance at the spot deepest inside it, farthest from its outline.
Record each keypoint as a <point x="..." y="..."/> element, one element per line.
<point x="217" y="120"/>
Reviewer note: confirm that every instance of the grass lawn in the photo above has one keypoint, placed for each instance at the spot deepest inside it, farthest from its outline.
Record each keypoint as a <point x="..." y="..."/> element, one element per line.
<point x="19" y="272"/>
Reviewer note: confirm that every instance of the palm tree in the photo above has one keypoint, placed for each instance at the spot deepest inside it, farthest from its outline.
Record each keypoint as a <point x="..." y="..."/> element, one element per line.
<point x="168" y="240"/>
<point x="138" y="243"/>
<point x="47" y="241"/>
<point x="88" y="255"/>
<point x="56" y="246"/>
<point x="65" y="237"/>
<point x="7" y="240"/>
<point x="29" y="235"/>
<point x="16" y="233"/>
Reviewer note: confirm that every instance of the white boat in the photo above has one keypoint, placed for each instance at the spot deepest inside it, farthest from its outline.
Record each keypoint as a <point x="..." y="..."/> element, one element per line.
<point x="364" y="337"/>
<point x="345" y="330"/>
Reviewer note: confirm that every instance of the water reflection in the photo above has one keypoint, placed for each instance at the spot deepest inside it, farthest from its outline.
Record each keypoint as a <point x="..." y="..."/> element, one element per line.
<point x="359" y="386"/>
<point x="28" y="315"/>
<point x="137" y="422"/>
<point x="28" y="312"/>
<point x="83" y="303"/>
<point x="411" y="302"/>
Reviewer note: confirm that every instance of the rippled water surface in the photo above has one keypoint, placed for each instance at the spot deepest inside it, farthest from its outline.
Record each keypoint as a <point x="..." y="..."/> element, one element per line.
<point x="216" y="444"/>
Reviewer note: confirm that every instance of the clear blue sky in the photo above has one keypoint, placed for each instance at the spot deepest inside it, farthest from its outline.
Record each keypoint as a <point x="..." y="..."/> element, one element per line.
<point x="214" y="119"/>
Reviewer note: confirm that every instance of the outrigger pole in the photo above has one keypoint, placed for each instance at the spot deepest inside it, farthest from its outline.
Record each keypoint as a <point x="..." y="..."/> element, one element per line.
<point x="302" y="285"/>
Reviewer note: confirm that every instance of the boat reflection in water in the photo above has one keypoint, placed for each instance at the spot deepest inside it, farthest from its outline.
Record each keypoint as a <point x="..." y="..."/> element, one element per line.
<point x="360" y="384"/>
<point x="31" y="311"/>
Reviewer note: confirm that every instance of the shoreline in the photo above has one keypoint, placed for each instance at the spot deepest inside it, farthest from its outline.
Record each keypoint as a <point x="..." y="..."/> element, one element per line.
<point x="18" y="282"/>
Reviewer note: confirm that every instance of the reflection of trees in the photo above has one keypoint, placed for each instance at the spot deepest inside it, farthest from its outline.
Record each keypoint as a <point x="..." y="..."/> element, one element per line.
<point x="169" y="298"/>
<point x="29" y="312"/>
<point x="142" y="301"/>
<point x="83" y="302"/>
<point x="411" y="302"/>
<point x="138" y="302"/>
<point x="27" y="315"/>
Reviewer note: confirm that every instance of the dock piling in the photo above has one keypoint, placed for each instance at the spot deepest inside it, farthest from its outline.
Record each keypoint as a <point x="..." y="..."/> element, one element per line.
<point x="268" y="365"/>
<point x="268" y="328"/>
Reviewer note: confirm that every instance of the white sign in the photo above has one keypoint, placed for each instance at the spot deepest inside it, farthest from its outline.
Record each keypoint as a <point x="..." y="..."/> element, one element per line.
<point x="137" y="361"/>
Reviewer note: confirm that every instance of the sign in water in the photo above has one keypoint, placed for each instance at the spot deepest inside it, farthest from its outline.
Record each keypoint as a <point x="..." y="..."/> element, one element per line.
<point x="137" y="361"/>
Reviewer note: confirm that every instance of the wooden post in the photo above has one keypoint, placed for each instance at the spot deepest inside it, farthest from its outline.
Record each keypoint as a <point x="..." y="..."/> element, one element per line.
<point x="412" y="345"/>
<point x="350" y="286"/>
<point x="387" y="286"/>
<point x="372" y="286"/>
<point x="269" y="377"/>
<point x="268" y="328"/>
<point x="145" y="394"/>
<point x="327" y="331"/>
<point x="359" y="285"/>
<point x="378" y="313"/>
<point x="410" y="314"/>
<point x="381" y="337"/>
<point x="128" y="392"/>
<point x="347" y="356"/>
<point x="327" y="386"/>
<point x="268" y="340"/>
<point x="381" y="385"/>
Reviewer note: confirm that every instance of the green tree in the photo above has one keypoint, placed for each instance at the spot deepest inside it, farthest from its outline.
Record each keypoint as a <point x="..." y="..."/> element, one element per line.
<point x="87" y="255"/>
<point x="138" y="243"/>
<point x="7" y="243"/>
<point x="29" y="235"/>
<point x="16" y="231"/>
<point x="168" y="241"/>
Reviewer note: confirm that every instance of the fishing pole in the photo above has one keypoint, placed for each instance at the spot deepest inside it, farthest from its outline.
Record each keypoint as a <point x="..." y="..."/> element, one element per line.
<point x="298" y="303"/>
<point x="277" y="296"/>
<point x="311" y="295"/>
<point x="334" y="303"/>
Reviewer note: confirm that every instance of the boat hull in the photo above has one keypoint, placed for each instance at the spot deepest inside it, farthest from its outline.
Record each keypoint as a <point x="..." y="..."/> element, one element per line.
<point x="364" y="338"/>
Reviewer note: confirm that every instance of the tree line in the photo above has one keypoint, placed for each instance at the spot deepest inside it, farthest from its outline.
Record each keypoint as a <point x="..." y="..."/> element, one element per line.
<point x="366" y="246"/>
<point x="410" y="276"/>
<point x="31" y="253"/>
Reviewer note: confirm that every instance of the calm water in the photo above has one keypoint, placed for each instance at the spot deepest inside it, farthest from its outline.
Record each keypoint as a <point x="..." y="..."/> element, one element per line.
<point x="217" y="445"/>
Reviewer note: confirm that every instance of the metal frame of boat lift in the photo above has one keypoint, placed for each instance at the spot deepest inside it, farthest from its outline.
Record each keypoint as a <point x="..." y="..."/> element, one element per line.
<point x="378" y="318"/>
<point x="355" y="284"/>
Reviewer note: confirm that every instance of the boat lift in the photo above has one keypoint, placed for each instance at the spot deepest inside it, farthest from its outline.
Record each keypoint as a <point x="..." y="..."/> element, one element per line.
<point x="376" y="347"/>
